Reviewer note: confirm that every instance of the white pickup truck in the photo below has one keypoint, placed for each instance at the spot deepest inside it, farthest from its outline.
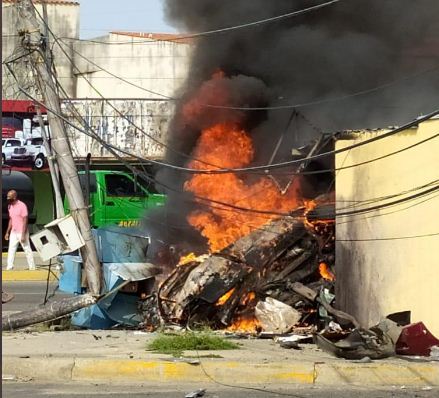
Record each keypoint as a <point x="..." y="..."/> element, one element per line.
<point x="32" y="151"/>
<point x="8" y="146"/>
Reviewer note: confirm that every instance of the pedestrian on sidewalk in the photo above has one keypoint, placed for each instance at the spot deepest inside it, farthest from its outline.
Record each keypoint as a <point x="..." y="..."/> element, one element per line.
<point x="17" y="231"/>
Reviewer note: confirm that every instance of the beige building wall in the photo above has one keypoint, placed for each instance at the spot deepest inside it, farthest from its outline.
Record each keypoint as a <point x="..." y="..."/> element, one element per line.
<point x="159" y="66"/>
<point x="378" y="273"/>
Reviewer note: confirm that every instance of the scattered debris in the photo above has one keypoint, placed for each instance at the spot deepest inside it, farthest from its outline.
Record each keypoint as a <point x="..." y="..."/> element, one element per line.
<point x="416" y="339"/>
<point x="197" y="393"/>
<point x="373" y="343"/>
<point x="275" y="316"/>
<point x="293" y="341"/>
<point x="6" y="297"/>
<point x="290" y="344"/>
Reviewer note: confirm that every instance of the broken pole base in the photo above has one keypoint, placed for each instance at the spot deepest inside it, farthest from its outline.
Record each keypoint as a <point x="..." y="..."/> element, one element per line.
<point x="54" y="310"/>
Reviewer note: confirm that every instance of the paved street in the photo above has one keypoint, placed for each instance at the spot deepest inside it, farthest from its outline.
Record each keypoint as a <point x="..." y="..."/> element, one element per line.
<point x="28" y="294"/>
<point x="19" y="390"/>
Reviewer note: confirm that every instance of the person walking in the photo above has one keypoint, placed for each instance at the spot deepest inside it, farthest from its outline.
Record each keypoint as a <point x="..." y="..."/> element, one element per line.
<point x="17" y="231"/>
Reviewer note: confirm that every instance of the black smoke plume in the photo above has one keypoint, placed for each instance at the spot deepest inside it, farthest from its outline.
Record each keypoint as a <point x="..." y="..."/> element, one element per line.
<point x="346" y="48"/>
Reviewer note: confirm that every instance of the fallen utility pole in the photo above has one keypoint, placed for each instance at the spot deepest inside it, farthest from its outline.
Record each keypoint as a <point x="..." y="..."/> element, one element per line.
<point x="50" y="312"/>
<point x="33" y="41"/>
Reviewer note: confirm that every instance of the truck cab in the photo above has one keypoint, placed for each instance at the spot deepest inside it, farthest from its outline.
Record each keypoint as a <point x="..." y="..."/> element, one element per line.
<point x="116" y="198"/>
<point x="32" y="151"/>
<point x="8" y="146"/>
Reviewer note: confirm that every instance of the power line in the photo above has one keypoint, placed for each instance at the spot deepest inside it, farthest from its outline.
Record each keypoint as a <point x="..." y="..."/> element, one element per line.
<point x="113" y="107"/>
<point x="352" y="220"/>
<point x="279" y="107"/>
<point x="323" y="101"/>
<point x="208" y="199"/>
<point x="114" y="150"/>
<point x="392" y="238"/>
<point x="231" y="28"/>
<point x="264" y="168"/>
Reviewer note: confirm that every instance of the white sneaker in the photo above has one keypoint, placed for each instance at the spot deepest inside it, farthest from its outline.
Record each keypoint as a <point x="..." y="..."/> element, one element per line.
<point x="9" y="268"/>
<point x="32" y="268"/>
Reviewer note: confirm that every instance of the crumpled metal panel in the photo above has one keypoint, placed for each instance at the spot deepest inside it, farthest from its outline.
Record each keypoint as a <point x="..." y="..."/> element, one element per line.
<point x="133" y="271"/>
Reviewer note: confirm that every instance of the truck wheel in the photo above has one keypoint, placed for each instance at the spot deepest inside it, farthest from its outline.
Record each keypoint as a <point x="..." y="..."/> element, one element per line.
<point x="39" y="162"/>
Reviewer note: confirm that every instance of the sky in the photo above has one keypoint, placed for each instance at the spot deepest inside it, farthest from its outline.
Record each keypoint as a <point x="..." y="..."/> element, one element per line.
<point x="101" y="16"/>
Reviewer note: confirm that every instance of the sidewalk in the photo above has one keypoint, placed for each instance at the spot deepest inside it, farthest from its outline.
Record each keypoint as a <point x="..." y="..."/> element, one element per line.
<point x="121" y="356"/>
<point x="21" y="271"/>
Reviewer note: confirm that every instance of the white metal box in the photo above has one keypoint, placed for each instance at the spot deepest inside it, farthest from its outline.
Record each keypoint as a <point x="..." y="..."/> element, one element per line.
<point x="59" y="236"/>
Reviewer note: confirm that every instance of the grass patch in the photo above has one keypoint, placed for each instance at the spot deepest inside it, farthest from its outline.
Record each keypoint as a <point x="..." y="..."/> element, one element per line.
<point x="176" y="344"/>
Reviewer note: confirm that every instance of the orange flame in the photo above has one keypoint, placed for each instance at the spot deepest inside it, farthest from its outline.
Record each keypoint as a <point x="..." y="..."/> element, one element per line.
<point x="228" y="146"/>
<point x="325" y="272"/>
<point x="224" y="298"/>
<point x="187" y="259"/>
<point x="249" y="298"/>
<point x="245" y="324"/>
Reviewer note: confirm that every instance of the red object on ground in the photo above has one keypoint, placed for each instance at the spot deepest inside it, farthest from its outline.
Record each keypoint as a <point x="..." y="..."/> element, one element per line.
<point x="415" y="339"/>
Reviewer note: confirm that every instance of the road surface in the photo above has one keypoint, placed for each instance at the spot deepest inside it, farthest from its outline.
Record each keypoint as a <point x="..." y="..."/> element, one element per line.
<point x="73" y="390"/>
<point x="29" y="294"/>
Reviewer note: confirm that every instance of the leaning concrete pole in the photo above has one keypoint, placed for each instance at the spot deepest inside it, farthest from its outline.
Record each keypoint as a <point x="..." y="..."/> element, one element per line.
<point x="32" y="40"/>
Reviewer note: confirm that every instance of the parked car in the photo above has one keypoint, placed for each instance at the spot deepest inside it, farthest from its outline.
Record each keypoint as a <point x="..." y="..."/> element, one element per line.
<point x="8" y="146"/>
<point x="32" y="151"/>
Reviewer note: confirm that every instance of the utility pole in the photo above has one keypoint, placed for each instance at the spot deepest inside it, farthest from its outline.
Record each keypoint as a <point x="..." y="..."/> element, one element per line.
<point x="32" y="40"/>
<point x="51" y="160"/>
<point x="53" y="167"/>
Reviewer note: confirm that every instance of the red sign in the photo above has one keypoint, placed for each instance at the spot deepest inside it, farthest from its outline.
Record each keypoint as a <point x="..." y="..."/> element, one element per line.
<point x="8" y="132"/>
<point x="20" y="106"/>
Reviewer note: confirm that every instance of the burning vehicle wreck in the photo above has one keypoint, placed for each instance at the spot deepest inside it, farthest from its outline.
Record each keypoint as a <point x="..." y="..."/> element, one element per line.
<point x="223" y="289"/>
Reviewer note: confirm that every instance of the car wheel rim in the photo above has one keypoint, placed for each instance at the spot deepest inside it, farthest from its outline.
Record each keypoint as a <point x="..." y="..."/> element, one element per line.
<point x="39" y="162"/>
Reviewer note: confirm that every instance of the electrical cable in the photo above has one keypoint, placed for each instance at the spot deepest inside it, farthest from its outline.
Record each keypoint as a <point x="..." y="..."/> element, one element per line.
<point x="218" y="171"/>
<point x="353" y="220"/>
<point x="196" y="171"/>
<point x="243" y="387"/>
<point x="387" y="239"/>
<point x="279" y="107"/>
<point x="47" y="282"/>
<point x="119" y="112"/>
<point x="336" y="214"/>
<point x="355" y="203"/>
<point x="235" y="27"/>
<point x="324" y="101"/>
<point x="224" y="204"/>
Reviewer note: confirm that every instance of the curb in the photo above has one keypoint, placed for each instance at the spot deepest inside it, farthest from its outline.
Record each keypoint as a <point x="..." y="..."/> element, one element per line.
<point x="26" y="275"/>
<point x="232" y="372"/>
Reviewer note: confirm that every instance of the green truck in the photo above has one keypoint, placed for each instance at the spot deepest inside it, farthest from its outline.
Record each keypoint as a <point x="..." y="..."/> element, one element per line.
<point x="116" y="198"/>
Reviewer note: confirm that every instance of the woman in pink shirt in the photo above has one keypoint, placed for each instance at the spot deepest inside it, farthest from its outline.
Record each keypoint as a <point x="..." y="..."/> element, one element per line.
<point x="17" y="232"/>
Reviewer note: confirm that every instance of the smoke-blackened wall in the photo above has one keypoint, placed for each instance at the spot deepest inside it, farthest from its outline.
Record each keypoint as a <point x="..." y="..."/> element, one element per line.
<point x="348" y="47"/>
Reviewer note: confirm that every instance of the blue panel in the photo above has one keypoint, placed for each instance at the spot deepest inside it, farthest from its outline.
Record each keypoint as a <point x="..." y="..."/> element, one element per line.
<point x="70" y="277"/>
<point x="121" y="245"/>
<point x="92" y="318"/>
<point x="123" y="309"/>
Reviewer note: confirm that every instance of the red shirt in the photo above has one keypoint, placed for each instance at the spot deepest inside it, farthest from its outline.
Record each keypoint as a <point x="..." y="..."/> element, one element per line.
<point x="17" y="214"/>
